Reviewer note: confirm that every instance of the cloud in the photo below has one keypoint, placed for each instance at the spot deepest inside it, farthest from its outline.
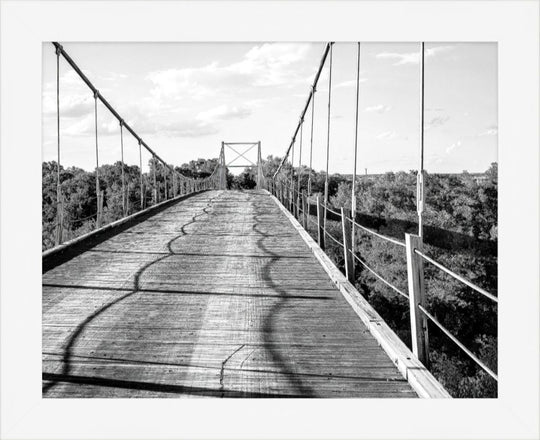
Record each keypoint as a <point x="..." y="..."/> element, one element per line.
<point x="437" y="121"/>
<point x="175" y="95"/>
<point x="223" y="113"/>
<point x="266" y="65"/>
<point x="349" y="83"/>
<point x="170" y="124"/>
<point x="183" y="127"/>
<point x="114" y="76"/>
<point x="381" y="108"/>
<point x="412" y="57"/>
<point x="71" y="106"/>
<point x="386" y="135"/>
<point x="492" y="130"/>
<point x="452" y="147"/>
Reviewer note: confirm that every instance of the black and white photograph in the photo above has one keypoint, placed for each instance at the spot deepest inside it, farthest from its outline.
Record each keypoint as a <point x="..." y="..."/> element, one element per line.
<point x="181" y="259"/>
<point x="315" y="222"/>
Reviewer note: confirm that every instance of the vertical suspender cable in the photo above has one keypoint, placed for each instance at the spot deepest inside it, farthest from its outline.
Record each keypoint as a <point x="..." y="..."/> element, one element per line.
<point x="292" y="168"/>
<point x="328" y="135"/>
<point x="154" y="164"/>
<point x="124" y="208"/>
<point x="353" y="187"/>
<point x="420" y="175"/>
<point x="141" y="174"/>
<point x="299" y="174"/>
<point x="165" y="177"/>
<point x="58" y="189"/>
<point x="98" y="218"/>
<point x="311" y="139"/>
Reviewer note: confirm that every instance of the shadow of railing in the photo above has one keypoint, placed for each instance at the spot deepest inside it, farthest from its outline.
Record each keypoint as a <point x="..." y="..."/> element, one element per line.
<point x="53" y="379"/>
<point x="52" y="259"/>
<point x="434" y="236"/>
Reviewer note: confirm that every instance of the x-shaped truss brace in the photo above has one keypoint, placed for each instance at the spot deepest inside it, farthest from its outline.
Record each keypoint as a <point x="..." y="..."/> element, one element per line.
<point x="239" y="154"/>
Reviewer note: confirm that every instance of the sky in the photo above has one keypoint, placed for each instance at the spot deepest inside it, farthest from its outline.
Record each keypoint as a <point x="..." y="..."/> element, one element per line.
<point x="184" y="99"/>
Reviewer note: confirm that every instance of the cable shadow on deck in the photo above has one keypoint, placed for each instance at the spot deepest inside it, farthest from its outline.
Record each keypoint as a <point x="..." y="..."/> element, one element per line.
<point x="54" y="379"/>
<point x="268" y="323"/>
<point x="189" y="292"/>
<point x="157" y="387"/>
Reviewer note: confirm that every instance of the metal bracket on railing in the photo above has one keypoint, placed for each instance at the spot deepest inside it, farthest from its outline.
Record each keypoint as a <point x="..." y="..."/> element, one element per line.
<point x="96" y="94"/>
<point x="420" y="192"/>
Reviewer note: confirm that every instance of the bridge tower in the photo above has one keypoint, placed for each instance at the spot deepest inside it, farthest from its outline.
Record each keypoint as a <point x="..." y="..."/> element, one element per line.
<point x="241" y="149"/>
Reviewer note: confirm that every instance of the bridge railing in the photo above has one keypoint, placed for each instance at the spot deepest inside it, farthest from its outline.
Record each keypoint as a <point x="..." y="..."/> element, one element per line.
<point x="297" y="200"/>
<point x="171" y="182"/>
<point x="300" y="208"/>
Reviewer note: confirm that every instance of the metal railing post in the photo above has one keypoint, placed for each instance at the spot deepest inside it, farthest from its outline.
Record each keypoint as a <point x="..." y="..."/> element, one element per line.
<point x="155" y="192"/>
<point x="124" y="198"/>
<point x="415" y="277"/>
<point x="320" y="223"/>
<point x="165" y="176"/>
<point x="347" y="243"/>
<point x="100" y="207"/>
<point x="291" y="198"/>
<point x="141" y="176"/>
<point x="304" y="209"/>
<point x="59" y="219"/>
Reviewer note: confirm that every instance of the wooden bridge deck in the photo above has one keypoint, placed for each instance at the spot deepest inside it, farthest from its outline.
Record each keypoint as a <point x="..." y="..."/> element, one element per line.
<point x="217" y="295"/>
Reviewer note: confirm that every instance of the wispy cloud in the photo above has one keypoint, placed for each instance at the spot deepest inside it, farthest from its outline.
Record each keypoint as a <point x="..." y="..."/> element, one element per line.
<point x="266" y="65"/>
<point x="437" y="121"/>
<point x="223" y="113"/>
<point x="381" y="108"/>
<point x="453" y="147"/>
<point x="412" y="57"/>
<point x="349" y="83"/>
<point x="492" y="130"/>
<point x="114" y="76"/>
<point x="386" y="135"/>
<point x="71" y="106"/>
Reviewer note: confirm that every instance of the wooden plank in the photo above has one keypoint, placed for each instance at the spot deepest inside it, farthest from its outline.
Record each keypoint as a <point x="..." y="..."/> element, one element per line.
<point x="216" y="296"/>
<point x="410" y="367"/>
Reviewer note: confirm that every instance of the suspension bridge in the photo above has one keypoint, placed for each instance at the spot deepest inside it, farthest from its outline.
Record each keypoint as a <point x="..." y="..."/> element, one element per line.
<point x="203" y="291"/>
